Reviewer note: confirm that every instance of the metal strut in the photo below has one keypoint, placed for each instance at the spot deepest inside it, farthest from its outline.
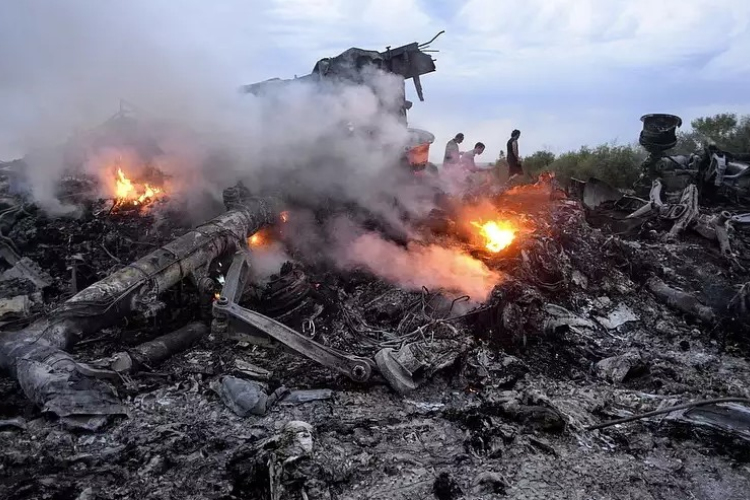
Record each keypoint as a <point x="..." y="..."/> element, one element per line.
<point x="230" y="317"/>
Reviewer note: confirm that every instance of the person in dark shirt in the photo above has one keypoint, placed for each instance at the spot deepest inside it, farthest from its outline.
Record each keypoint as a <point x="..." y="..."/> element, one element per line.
<point x="514" y="160"/>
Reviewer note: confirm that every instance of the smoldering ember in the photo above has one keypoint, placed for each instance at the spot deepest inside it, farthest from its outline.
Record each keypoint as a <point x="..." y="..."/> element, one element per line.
<point x="393" y="335"/>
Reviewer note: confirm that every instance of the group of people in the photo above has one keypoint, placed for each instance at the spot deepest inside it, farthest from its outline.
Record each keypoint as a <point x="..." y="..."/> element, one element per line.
<point x="455" y="160"/>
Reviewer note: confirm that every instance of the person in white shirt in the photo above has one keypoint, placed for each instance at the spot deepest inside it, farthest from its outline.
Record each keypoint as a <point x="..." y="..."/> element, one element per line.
<point x="467" y="158"/>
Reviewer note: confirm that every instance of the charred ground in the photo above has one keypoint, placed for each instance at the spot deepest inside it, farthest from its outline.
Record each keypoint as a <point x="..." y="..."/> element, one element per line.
<point x="572" y="336"/>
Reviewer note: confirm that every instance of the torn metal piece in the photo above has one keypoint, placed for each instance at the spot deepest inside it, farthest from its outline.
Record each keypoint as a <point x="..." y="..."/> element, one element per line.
<point x="669" y="410"/>
<point x="621" y="315"/>
<point x="720" y="163"/>
<point x="8" y="252"/>
<point x="575" y="189"/>
<point x="267" y="330"/>
<point x="741" y="219"/>
<point x="400" y="368"/>
<point x="720" y="229"/>
<point x="58" y="386"/>
<point x="655" y="202"/>
<point x="306" y="396"/>
<point x="617" y="369"/>
<point x="729" y="419"/>
<point x="252" y="371"/>
<point x="680" y="300"/>
<point x="689" y="199"/>
<point x="26" y="268"/>
<point x="596" y="192"/>
<point x="236" y="277"/>
<point x="704" y="227"/>
<point x="15" y="307"/>
<point x="654" y="195"/>
<point x="559" y="317"/>
<point x="13" y="423"/>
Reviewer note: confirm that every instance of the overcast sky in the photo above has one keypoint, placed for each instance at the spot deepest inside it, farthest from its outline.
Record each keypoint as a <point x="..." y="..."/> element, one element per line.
<point x="565" y="72"/>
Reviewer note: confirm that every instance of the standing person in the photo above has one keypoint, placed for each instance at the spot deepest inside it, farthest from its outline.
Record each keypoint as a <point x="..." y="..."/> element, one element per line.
<point x="452" y="156"/>
<point x="514" y="160"/>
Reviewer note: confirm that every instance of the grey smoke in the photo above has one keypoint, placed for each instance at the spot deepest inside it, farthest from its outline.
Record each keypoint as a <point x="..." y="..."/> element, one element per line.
<point x="64" y="66"/>
<point x="265" y="261"/>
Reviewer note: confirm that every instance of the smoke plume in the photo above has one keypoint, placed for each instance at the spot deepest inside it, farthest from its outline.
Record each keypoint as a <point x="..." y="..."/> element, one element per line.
<point x="65" y="66"/>
<point x="417" y="266"/>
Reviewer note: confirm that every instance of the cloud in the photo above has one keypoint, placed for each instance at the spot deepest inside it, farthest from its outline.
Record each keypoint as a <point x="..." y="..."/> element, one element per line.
<point x="552" y="66"/>
<point x="599" y="35"/>
<point x="567" y="72"/>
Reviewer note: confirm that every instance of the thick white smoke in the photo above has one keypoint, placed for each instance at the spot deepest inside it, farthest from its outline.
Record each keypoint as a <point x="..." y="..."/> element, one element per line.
<point x="417" y="266"/>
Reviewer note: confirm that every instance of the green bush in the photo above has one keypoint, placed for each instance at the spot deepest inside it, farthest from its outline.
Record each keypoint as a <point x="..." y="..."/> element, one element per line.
<point x="617" y="165"/>
<point x="538" y="162"/>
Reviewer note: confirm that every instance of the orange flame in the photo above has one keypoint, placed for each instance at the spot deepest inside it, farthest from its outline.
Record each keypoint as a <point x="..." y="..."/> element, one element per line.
<point x="255" y="240"/>
<point x="497" y="234"/>
<point x="126" y="191"/>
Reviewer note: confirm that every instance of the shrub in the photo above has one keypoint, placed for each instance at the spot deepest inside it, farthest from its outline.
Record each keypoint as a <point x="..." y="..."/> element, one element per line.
<point x="538" y="162"/>
<point x="617" y="165"/>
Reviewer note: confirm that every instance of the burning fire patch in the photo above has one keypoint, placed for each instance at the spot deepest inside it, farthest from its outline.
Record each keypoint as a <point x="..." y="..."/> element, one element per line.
<point x="128" y="192"/>
<point x="497" y="234"/>
<point x="256" y="240"/>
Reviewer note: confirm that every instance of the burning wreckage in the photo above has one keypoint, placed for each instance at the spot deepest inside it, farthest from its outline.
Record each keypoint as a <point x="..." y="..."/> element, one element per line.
<point x="588" y="315"/>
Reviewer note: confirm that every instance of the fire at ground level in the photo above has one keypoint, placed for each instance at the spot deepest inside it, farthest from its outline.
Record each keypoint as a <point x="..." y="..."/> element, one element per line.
<point x="591" y="319"/>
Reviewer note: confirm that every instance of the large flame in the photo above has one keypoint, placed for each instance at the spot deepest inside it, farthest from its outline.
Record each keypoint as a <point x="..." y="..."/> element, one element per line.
<point x="127" y="192"/>
<point x="497" y="234"/>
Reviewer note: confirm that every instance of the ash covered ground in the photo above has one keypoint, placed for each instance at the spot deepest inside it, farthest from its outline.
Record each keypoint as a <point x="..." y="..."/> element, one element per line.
<point x="573" y="335"/>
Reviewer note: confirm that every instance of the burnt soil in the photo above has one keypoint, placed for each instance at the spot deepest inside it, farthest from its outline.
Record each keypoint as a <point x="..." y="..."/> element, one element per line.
<point x="506" y="418"/>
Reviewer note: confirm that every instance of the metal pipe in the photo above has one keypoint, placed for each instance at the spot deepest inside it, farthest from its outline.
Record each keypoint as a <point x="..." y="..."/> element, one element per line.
<point x="159" y="349"/>
<point x="136" y="286"/>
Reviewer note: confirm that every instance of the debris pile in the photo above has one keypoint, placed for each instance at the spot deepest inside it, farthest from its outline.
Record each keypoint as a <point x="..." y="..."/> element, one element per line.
<point x="145" y="359"/>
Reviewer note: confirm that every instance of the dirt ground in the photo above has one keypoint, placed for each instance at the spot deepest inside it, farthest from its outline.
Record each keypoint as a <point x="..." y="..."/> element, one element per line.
<point x="507" y="419"/>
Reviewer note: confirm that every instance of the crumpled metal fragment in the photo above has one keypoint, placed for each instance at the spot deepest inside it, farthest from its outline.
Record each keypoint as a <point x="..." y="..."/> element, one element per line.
<point x="559" y="317"/>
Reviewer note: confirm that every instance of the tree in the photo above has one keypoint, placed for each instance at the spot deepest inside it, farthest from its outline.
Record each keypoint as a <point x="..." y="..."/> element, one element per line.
<point x="717" y="128"/>
<point x="687" y="143"/>
<point x="538" y="162"/>
<point x="725" y="130"/>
